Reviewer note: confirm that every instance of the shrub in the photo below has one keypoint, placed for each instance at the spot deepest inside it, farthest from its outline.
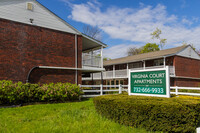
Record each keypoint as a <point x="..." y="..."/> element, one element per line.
<point x="17" y="93"/>
<point x="177" y="114"/>
<point x="60" y="92"/>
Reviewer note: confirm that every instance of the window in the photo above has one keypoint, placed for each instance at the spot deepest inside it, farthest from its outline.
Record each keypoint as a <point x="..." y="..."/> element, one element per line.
<point x="122" y="82"/>
<point x="29" y="6"/>
<point x="158" y="62"/>
<point x="117" y="82"/>
<point x="135" y="65"/>
<point x="112" y="82"/>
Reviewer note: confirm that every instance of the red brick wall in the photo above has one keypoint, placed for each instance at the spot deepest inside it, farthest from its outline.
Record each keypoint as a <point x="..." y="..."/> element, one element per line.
<point x="186" y="67"/>
<point x="52" y="75"/>
<point x="23" y="47"/>
<point x="186" y="82"/>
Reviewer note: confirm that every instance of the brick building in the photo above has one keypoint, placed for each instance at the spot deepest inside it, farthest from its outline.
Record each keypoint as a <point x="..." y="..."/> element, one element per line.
<point x="38" y="46"/>
<point x="183" y="62"/>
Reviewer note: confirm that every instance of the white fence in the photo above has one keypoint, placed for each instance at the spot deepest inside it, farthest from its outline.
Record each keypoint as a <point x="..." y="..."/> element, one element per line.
<point x="100" y="89"/>
<point x="177" y="92"/>
<point x="124" y="73"/>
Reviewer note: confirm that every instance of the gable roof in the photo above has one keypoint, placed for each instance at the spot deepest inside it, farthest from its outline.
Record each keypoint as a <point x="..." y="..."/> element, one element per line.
<point x="146" y="56"/>
<point x="78" y="32"/>
<point x="41" y="16"/>
<point x="91" y="42"/>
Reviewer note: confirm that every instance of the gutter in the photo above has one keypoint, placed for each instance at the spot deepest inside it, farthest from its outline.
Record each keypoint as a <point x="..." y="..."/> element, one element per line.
<point x="62" y="68"/>
<point x="139" y="60"/>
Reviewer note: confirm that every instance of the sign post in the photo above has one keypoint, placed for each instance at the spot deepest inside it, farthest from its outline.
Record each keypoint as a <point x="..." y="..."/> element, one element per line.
<point x="150" y="82"/>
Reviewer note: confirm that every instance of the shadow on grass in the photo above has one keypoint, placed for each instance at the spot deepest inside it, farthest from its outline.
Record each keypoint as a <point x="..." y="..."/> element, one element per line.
<point x="36" y="103"/>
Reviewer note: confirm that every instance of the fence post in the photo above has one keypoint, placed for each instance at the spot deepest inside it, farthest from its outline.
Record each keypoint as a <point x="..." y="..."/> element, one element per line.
<point x="198" y="130"/>
<point x="80" y="95"/>
<point x="120" y="89"/>
<point x="101" y="89"/>
<point x="176" y="90"/>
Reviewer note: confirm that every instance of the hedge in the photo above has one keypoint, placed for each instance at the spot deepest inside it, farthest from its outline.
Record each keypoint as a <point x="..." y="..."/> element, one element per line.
<point x="19" y="93"/>
<point x="177" y="114"/>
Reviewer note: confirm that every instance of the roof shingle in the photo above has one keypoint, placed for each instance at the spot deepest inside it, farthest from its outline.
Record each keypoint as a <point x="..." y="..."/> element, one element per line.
<point x="145" y="56"/>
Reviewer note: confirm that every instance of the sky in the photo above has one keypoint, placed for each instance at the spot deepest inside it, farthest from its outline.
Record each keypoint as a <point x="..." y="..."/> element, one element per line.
<point x="129" y="23"/>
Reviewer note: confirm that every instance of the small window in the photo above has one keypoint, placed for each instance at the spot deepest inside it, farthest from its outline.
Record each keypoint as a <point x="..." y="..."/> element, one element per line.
<point x="135" y="65"/>
<point x="29" y="6"/>
<point x="158" y="62"/>
<point x="122" y="82"/>
<point x="117" y="82"/>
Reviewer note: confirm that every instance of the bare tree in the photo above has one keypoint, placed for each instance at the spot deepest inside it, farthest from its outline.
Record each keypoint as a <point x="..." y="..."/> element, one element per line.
<point x="134" y="51"/>
<point x="92" y="31"/>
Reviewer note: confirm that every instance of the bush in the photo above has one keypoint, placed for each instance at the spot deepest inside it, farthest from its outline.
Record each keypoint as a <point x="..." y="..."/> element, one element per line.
<point x="177" y="114"/>
<point x="60" y="92"/>
<point x="18" y="93"/>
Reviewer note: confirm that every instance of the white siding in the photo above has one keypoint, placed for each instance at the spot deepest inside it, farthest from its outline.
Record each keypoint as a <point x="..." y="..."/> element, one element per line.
<point x="16" y="10"/>
<point x="189" y="52"/>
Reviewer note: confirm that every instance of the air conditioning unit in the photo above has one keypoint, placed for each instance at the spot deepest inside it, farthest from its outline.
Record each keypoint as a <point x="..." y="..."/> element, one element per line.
<point x="29" y="6"/>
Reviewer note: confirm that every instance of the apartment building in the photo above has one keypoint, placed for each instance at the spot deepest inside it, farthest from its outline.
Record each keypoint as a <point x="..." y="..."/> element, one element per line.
<point x="183" y="62"/>
<point x="38" y="46"/>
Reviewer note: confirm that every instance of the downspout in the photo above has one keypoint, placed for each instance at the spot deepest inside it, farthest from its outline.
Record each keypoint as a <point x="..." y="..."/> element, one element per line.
<point x="76" y="60"/>
<point x="101" y="56"/>
<point x="144" y="64"/>
<point x="28" y="76"/>
<point x="164" y="61"/>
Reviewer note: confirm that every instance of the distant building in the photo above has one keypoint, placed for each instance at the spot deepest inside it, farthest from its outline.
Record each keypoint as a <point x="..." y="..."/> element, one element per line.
<point x="183" y="62"/>
<point x="38" y="46"/>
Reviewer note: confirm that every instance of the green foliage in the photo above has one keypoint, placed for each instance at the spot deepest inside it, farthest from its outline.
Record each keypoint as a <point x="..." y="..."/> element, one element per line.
<point x="150" y="47"/>
<point x="17" y="93"/>
<point x="106" y="58"/>
<point x="177" y="114"/>
<point x="134" y="51"/>
<point x="156" y="35"/>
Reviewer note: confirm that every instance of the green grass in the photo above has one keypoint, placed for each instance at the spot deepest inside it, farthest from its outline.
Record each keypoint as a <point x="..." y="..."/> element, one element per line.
<point x="73" y="117"/>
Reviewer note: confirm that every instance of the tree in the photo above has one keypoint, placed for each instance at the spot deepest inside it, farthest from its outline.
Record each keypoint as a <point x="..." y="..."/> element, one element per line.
<point x="150" y="47"/>
<point x="134" y="51"/>
<point x="106" y="58"/>
<point x="156" y="35"/>
<point x="92" y="31"/>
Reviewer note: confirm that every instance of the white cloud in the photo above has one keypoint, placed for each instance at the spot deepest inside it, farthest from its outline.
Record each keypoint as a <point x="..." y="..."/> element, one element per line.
<point x="117" y="51"/>
<point x="135" y="25"/>
<point x="186" y="21"/>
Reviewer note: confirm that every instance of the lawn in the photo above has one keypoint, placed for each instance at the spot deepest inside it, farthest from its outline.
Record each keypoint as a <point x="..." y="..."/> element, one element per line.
<point x="72" y="117"/>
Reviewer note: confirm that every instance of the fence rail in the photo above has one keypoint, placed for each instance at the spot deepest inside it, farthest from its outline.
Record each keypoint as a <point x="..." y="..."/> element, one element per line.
<point x="177" y="92"/>
<point x="124" y="73"/>
<point x="99" y="89"/>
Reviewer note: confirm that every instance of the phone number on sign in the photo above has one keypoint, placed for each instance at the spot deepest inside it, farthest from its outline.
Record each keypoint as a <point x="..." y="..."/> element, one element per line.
<point x="148" y="90"/>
